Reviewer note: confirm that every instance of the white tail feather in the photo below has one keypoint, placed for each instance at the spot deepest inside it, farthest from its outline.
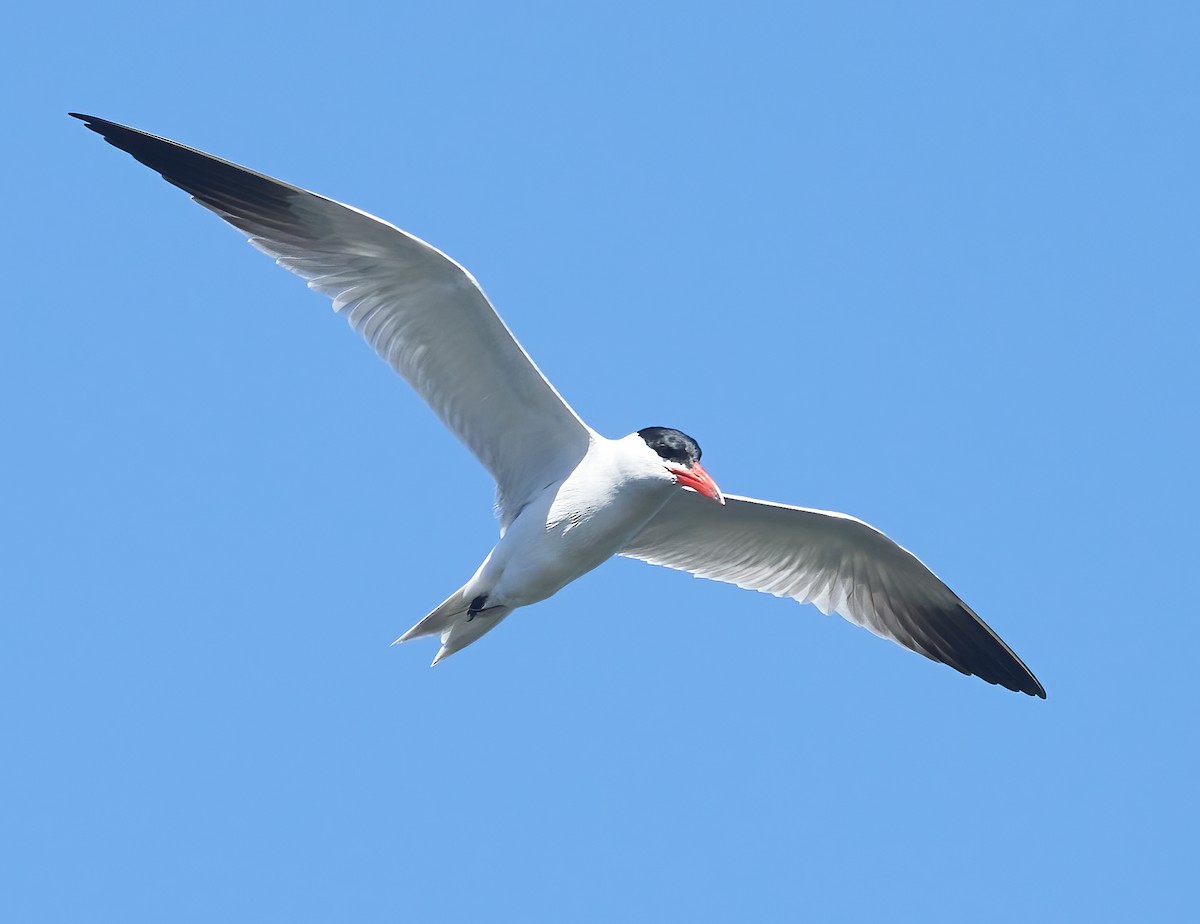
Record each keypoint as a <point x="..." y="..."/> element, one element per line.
<point x="456" y="628"/>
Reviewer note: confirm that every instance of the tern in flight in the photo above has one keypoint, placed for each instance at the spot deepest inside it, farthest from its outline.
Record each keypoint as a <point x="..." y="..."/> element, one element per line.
<point x="567" y="498"/>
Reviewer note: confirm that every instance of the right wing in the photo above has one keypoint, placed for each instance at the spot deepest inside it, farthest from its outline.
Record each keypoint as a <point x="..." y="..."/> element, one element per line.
<point x="836" y="562"/>
<point x="419" y="310"/>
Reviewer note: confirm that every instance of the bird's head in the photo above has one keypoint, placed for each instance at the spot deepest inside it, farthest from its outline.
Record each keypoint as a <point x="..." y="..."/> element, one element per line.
<point x="680" y="456"/>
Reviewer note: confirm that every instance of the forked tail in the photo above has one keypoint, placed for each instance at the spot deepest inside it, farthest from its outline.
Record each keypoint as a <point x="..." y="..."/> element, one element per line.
<point x="456" y="628"/>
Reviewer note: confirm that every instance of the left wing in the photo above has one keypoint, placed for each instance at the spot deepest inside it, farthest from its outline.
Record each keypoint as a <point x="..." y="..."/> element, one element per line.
<point x="836" y="562"/>
<point x="421" y="312"/>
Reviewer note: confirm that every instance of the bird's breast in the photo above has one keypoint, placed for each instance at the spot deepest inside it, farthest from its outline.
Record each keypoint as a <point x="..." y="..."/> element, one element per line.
<point x="575" y="527"/>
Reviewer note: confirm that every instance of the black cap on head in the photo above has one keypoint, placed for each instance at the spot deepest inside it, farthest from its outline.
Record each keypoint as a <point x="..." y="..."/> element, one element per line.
<point x="672" y="445"/>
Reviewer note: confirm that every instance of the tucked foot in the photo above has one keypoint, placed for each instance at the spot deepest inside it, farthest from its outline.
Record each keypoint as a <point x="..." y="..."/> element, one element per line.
<point x="476" y="606"/>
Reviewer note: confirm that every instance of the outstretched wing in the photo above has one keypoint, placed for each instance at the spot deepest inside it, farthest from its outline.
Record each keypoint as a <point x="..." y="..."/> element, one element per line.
<point x="836" y="562"/>
<point x="419" y="310"/>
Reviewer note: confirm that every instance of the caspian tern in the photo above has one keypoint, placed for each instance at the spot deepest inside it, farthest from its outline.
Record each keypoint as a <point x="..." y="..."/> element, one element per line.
<point x="568" y="498"/>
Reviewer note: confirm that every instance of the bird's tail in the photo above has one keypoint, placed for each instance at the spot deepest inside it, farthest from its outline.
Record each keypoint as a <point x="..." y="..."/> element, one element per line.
<point x="456" y="628"/>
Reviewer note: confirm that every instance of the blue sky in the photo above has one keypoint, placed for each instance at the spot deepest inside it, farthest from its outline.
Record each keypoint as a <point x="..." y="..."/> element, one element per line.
<point x="930" y="264"/>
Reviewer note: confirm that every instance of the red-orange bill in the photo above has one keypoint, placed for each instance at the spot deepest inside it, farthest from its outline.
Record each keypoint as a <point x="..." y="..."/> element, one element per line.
<point x="698" y="480"/>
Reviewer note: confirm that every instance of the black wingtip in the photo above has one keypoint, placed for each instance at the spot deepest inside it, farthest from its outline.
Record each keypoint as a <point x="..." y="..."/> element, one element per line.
<point x="101" y="127"/>
<point x="1024" y="682"/>
<point x="990" y="657"/>
<point x="1032" y="688"/>
<point x="1028" y="683"/>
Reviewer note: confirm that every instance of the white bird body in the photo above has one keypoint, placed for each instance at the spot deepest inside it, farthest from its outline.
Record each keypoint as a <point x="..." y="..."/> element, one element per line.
<point x="569" y="528"/>
<point x="575" y="525"/>
<point x="568" y="499"/>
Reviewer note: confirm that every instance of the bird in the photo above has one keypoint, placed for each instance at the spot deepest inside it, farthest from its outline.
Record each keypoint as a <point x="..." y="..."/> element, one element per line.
<point x="567" y="498"/>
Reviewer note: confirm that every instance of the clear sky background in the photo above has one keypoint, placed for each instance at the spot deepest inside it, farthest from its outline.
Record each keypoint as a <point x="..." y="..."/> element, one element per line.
<point x="931" y="264"/>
